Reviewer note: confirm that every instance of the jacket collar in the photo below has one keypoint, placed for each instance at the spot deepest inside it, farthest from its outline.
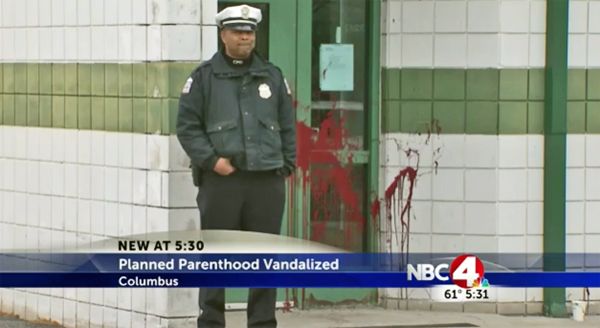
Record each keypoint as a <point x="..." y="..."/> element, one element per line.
<point x="258" y="67"/>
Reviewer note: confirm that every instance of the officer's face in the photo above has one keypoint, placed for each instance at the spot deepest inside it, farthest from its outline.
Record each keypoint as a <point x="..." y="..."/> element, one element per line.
<point x="238" y="44"/>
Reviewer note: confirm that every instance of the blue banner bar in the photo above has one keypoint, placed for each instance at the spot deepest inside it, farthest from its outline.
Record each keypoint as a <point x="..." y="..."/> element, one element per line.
<point x="285" y="279"/>
<point x="343" y="262"/>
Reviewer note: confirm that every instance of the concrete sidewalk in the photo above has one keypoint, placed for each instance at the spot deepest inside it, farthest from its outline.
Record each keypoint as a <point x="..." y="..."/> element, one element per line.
<point x="377" y="318"/>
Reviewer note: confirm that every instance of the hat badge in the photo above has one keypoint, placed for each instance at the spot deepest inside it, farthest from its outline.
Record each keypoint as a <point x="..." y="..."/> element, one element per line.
<point x="245" y="12"/>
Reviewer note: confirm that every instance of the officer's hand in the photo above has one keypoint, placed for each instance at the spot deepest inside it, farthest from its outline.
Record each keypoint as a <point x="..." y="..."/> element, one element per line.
<point x="224" y="167"/>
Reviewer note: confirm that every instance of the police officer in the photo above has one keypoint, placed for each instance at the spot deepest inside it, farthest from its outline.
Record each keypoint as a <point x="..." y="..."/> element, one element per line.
<point x="237" y="125"/>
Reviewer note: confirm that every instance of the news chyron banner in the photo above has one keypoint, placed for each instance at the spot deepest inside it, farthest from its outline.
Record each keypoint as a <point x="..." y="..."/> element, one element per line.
<point x="247" y="259"/>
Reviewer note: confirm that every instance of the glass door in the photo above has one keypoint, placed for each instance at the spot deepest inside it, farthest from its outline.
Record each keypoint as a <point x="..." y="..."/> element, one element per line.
<point x="336" y="160"/>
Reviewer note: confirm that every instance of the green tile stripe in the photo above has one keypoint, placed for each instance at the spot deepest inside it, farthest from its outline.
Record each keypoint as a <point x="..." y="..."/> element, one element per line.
<point x="483" y="101"/>
<point x="139" y="98"/>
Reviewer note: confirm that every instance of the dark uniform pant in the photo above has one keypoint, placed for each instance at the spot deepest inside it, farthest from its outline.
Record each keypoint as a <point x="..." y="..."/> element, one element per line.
<point x="249" y="201"/>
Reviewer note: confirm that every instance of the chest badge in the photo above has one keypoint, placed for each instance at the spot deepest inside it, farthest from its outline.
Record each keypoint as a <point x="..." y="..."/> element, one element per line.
<point x="264" y="91"/>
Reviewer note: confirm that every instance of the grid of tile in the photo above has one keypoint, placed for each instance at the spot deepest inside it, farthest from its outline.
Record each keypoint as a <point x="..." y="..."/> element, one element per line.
<point x="484" y="193"/>
<point x="139" y="98"/>
<point x="464" y="33"/>
<point x="483" y="101"/>
<point x="107" y="30"/>
<point x="69" y="187"/>
<point x="62" y="189"/>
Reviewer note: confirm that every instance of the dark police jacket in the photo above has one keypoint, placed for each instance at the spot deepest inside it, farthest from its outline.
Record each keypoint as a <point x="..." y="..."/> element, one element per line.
<point x="246" y="117"/>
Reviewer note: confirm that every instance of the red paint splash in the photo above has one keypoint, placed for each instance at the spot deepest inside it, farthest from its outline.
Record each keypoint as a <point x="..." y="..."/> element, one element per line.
<point x="332" y="195"/>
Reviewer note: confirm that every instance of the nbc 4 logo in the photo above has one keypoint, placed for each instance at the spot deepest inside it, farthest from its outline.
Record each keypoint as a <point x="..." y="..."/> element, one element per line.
<point x="466" y="271"/>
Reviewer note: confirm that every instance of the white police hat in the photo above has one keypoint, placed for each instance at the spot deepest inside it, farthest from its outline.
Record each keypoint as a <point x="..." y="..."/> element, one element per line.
<point x="244" y="18"/>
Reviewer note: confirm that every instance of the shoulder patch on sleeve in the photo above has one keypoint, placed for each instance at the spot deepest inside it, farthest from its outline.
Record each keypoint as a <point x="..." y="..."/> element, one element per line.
<point x="287" y="86"/>
<point x="188" y="85"/>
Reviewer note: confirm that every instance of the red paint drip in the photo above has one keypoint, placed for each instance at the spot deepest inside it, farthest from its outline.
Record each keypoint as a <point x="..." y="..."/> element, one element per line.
<point x="402" y="205"/>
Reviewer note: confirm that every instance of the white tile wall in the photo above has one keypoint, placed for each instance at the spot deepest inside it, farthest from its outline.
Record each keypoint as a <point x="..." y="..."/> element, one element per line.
<point x="139" y="48"/>
<point x="591" y="242"/>
<point x="575" y="184"/>
<point x="157" y="219"/>
<point x="514" y="16"/>
<point x="512" y="218"/>
<point x="422" y="188"/>
<point x="535" y="184"/>
<point x="420" y="218"/>
<point x="575" y="244"/>
<point x="33" y="210"/>
<point x="140" y="182"/>
<point x="154" y="188"/>
<point x="125" y="177"/>
<point x="83" y="216"/>
<point x="65" y="33"/>
<point x="96" y="315"/>
<point x="21" y="175"/>
<point x="20" y="142"/>
<point x="576" y="150"/>
<point x="84" y="181"/>
<point x="481" y="185"/>
<point x="593" y="50"/>
<point x="577" y="50"/>
<point x="111" y="12"/>
<point x="158" y="152"/>
<point x="84" y="12"/>
<point x="97" y="218"/>
<point x="483" y="20"/>
<point x="154" y="42"/>
<point x="578" y="16"/>
<point x="512" y="151"/>
<point x="450" y="50"/>
<point x="181" y="192"/>
<point x="70" y="220"/>
<point x="393" y="50"/>
<point x="139" y="11"/>
<point x="111" y="48"/>
<point x="575" y="217"/>
<point x="446" y="243"/>
<point x="32" y="52"/>
<point x="125" y="43"/>
<point x="480" y="218"/>
<point x="592" y="157"/>
<point x="448" y="217"/>
<point x="512" y="185"/>
<point x="110" y="316"/>
<point x="514" y="50"/>
<point x="417" y="50"/>
<point x="419" y="243"/>
<point x="481" y="151"/>
<point x="180" y="42"/>
<point x="111" y="184"/>
<point x="33" y="181"/>
<point x="125" y="12"/>
<point x="417" y="16"/>
<point x="482" y="16"/>
<point x="139" y="220"/>
<point x="111" y="215"/>
<point x="592" y="190"/>
<point x="450" y="16"/>
<point x="448" y="184"/>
